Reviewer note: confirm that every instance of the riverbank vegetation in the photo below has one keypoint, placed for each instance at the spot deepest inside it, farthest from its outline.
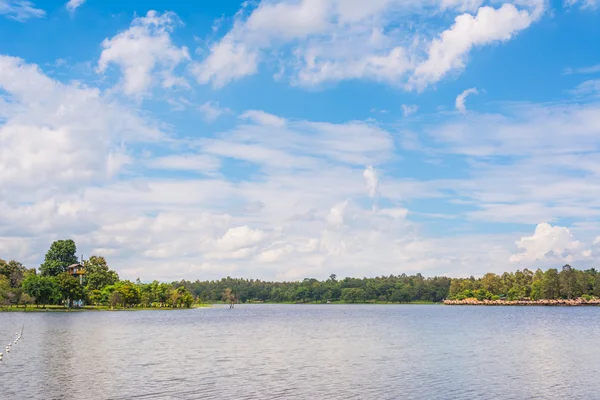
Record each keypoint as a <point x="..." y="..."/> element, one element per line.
<point x="568" y="284"/>
<point x="385" y="289"/>
<point x="101" y="287"/>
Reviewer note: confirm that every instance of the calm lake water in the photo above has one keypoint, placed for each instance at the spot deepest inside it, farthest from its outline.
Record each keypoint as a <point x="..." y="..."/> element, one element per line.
<point x="305" y="352"/>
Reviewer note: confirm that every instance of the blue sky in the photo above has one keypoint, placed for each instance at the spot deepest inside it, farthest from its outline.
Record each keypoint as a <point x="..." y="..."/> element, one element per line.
<point x="299" y="138"/>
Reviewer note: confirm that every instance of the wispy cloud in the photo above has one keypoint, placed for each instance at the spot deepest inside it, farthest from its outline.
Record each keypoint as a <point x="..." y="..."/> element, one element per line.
<point x="583" y="70"/>
<point x="211" y="110"/>
<point x="20" y="10"/>
<point x="72" y="5"/>
<point x="409" y="109"/>
<point x="461" y="98"/>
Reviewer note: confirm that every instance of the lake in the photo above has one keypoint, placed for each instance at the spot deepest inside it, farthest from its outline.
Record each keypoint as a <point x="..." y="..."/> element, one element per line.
<point x="305" y="352"/>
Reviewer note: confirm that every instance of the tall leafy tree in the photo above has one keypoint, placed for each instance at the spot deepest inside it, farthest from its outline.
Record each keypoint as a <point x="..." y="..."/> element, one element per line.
<point x="43" y="289"/>
<point x="14" y="271"/>
<point x="70" y="288"/>
<point x="62" y="253"/>
<point x="97" y="273"/>
<point x="551" y="284"/>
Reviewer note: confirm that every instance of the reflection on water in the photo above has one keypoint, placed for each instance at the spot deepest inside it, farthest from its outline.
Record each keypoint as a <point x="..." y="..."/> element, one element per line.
<point x="305" y="351"/>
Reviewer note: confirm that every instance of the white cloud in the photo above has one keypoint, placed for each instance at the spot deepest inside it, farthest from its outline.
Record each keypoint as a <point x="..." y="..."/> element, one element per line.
<point x="186" y="162"/>
<point x="408" y="110"/>
<point x="320" y="41"/>
<point x="588" y="88"/>
<point x="145" y="54"/>
<point x="212" y="110"/>
<point x="72" y="5"/>
<point x="64" y="134"/>
<point x="460" y="99"/>
<point x="263" y="118"/>
<point x="597" y="240"/>
<point x="448" y="52"/>
<point x="227" y="62"/>
<point x="295" y="207"/>
<point x="241" y="237"/>
<point x="522" y="129"/>
<point x="548" y="242"/>
<point x="372" y="180"/>
<point x="336" y="214"/>
<point x="20" y="10"/>
<point x="394" y="212"/>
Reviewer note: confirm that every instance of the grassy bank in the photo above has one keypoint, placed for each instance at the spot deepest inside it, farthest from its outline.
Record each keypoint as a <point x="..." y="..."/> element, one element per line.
<point x="55" y="308"/>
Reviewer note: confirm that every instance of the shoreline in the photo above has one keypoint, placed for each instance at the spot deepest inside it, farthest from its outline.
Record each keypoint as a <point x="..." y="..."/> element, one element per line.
<point x="579" y="302"/>
<point x="53" y="308"/>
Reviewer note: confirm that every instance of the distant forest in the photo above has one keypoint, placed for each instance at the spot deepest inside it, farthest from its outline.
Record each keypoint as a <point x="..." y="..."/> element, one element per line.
<point x="98" y="285"/>
<point x="569" y="283"/>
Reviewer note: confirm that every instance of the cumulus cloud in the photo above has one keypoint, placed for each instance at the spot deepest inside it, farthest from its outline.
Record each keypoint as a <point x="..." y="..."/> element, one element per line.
<point x="547" y="243"/>
<point x="240" y="237"/>
<point x="461" y="98"/>
<point x="334" y="40"/>
<point x="72" y="5"/>
<point x="20" y="10"/>
<point x="64" y="134"/>
<point x="145" y="54"/>
<point x="448" y="51"/>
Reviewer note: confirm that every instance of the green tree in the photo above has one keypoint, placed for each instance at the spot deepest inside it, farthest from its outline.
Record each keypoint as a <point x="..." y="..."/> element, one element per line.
<point x="14" y="271"/>
<point x="43" y="289"/>
<point x="568" y="283"/>
<point x="26" y="300"/>
<point x="70" y="288"/>
<point x="129" y="291"/>
<point x="5" y="291"/>
<point x="550" y="284"/>
<point x="97" y="273"/>
<point x="115" y="299"/>
<point x="94" y="296"/>
<point x="62" y="253"/>
<point x="353" y="295"/>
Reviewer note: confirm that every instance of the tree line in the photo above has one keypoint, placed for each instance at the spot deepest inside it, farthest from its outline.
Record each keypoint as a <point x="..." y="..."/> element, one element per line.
<point x="102" y="286"/>
<point x="569" y="283"/>
<point x="551" y="284"/>
<point x="99" y="286"/>
<point x="394" y="289"/>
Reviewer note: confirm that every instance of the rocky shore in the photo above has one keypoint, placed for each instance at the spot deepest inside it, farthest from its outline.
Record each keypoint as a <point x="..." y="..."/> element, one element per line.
<point x="560" y="302"/>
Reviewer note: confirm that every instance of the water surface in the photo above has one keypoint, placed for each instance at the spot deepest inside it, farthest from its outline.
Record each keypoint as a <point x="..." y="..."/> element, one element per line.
<point x="305" y="352"/>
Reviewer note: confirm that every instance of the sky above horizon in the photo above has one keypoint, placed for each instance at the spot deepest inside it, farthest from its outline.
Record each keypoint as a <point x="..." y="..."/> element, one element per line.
<point x="284" y="139"/>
